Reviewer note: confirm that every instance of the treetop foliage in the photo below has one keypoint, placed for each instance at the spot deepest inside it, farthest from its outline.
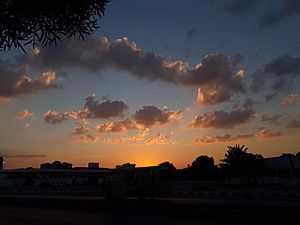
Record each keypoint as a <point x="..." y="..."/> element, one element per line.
<point x="44" y="22"/>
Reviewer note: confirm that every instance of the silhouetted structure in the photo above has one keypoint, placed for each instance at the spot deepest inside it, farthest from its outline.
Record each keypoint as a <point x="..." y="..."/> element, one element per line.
<point x="141" y="182"/>
<point x="202" y="167"/>
<point x="125" y="165"/>
<point x="171" y="169"/>
<point x="56" y="165"/>
<point x="286" y="164"/>
<point x="239" y="163"/>
<point x="93" y="165"/>
<point x="1" y="163"/>
<point x="45" y="22"/>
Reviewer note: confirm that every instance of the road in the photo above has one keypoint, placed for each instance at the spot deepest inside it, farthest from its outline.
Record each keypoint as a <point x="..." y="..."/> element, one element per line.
<point x="87" y="210"/>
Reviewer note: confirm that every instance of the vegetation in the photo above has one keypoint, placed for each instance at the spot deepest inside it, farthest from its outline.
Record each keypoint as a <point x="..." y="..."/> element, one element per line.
<point x="171" y="169"/>
<point x="237" y="163"/>
<point x="45" y="22"/>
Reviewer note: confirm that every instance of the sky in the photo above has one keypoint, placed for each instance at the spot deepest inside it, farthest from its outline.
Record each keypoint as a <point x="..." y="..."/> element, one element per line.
<point x="158" y="81"/>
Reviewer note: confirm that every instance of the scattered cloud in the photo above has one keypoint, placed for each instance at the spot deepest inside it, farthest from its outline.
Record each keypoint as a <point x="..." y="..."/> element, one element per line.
<point x="134" y="139"/>
<point x="85" y="138"/>
<point x="271" y="118"/>
<point x="24" y="114"/>
<point x="104" y="109"/>
<point x="221" y="138"/>
<point x="14" y="82"/>
<point x="92" y="109"/>
<point x="117" y="127"/>
<point x="240" y="7"/>
<point x="9" y="155"/>
<point x="266" y="134"/>
<point x="291" y="99"/>
<point x="82" y="129"/>
<point x="275" y="12"/>
<point x="215" y="74"/>
<point x="142" y="119"/>
<point x="240" y="73"/>
<point x="280" y="12"/>
<point x="270" y="97"/>
<point x="160" y="139"/>
<point x="36" y="51"/>
<point x="294" y="124"/>
<point x="26" y="127"/>
<point x="280" y="71"/>
<point x="223" y="120"/>
<point x="151" y="115"/>
<point x="53" y="117"/>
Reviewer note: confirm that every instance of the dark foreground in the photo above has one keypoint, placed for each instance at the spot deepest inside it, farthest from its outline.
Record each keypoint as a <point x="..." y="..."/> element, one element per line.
<point x="32" y="210"/>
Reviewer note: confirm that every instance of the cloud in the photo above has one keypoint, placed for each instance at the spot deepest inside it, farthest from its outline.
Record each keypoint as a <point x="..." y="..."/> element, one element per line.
<point x="92" y="109"/>
<point x="214" y="74"/>
<point x="294" y="124"/>
<point x="266" y="134"/>
<point x="286" y="9"/>
<point x="191" y="33"/>
<point x="271" y="118"/>
<point x="134" y="139"/>
<point x="24" y="114"/>
<point x="281" y="71"/>
<point x="117" y="127"/>
<point x="151" y="115"/>
<point x="82" y="129"/>
<point x="159" y="139"/>
<point x="222" y="119"/>
<point x="249" y="102"/>
<point x="276" y="11"/>
<point x="240" y="7"/>
<point x="240" y="73"/>
<point x="53" y="117"/>
<point x="85" y="138"/>
<point x="270" y="97"/>
<point x="26" y="127"/>
<point x="14" y="82"/>
<point x="221" y="138"/>
<point x="104" y="109"/>
<point x="142" y="119"/>
<point x="36" y="51"/>
<point x="9" y="155"/>
<point x="291" y="99"/>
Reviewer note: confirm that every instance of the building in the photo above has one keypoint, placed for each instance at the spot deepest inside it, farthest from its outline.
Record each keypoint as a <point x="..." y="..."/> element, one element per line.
<point x="51" y="175"/>
<point x="1" y="163"/>
<point x="93" y="165"/>
<point x="287" y="163"/>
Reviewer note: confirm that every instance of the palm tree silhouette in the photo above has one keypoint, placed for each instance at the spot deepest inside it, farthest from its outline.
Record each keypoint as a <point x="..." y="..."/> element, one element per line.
<point x="239" y="163"/>
<point x="235" y="154"/>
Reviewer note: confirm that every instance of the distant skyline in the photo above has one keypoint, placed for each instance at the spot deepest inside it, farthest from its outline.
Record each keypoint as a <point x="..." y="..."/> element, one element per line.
<point x="159" y="81"/>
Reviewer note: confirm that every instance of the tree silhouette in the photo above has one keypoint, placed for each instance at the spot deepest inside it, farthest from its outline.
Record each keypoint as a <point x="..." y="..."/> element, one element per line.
<point x="44" y="22"/>
<point x="202" y="167"/>
<point x="239" y="163"/>
<point x="171" y="169"/>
